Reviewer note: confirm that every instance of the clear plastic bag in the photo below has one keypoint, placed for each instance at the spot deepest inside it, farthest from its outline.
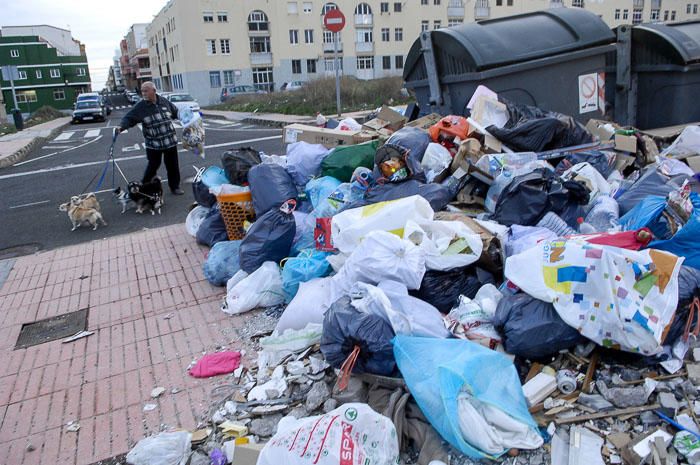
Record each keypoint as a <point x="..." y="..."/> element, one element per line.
<point x="161" y="449"/>
<point x="262" y="288"/>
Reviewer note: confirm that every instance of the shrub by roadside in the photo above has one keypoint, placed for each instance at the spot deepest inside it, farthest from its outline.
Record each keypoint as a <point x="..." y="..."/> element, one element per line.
<point x="42" y="115"/>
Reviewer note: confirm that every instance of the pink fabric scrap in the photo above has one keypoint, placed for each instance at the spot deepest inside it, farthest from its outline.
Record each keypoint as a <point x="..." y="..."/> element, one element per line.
<point x="218" y="363"/>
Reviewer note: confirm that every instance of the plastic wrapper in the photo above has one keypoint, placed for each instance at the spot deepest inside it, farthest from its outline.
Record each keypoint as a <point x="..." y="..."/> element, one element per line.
<point x="238" y="162"/>
<point x="161" y="449"/>
<point x="192" y="131"/>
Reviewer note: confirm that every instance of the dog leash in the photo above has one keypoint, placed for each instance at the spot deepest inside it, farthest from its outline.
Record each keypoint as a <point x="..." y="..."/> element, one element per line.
<point x="115" y="166"/>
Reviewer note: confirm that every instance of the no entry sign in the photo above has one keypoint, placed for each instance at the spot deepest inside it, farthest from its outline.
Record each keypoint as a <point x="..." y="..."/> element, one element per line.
<point x="334" y="20"/>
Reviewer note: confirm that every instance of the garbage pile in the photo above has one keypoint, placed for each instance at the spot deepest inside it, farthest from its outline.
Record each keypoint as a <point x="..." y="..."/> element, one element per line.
<point x="509" y="286"/>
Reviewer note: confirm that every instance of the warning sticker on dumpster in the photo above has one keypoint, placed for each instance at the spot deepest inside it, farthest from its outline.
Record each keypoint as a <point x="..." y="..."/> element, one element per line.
<point x="589" y="93"/>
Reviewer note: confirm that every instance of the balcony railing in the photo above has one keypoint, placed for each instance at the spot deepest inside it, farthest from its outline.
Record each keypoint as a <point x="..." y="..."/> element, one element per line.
<point x="364" y="47"/>
<point x="328" y="47"/>
<point x="264" y="58"/>
<point x="455" y="12"/>
<point x="363" y="20"/>
<point x="482" y="12"/>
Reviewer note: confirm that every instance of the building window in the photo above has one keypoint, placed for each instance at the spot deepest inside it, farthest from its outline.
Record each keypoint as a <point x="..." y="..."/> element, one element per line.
<point x="499" y="2"/>
<point x="308" y="6"/>
<point x="397" y="7"/>
<point x="365" y="62"/>
<point x="262" y="78"/>
<point x="695" y="8"/>
<point x="665" y="15"/>
<point x="225" y="45"/>
<point x="510" y="2"/>
<point x="328" y="37"/>
<point x="385" y="34"/>
<point x="625" y="14"/>
<point x="637" y="16"/>
<point x="55" y="73"/>
<point x="398" y="34"/>
<point x="22" y="74"/>
<point x="688" y="8"/>
<point x="328" y="7"/>
<point x="214" y="79"/>
<point x="437" y="24"/>
<point x="296" y="66"/>
<point x="59" y="94"/>
<point x="386" y="62"/>
<point x="38" y="74"/>
<point x="673" y="15"/>
<point x="257" y="21"/>
<point x="364" y="35"/>
<point x="14" y="53"/>
<point x="260" y="45"/>
<point x="423" y="2"/>
<point x="208" y="16"/>
<point x="211" y="46"/>
<point x="424" y="26"/>
<point x="398" y="61"/>
<point x="309" y="36"/>
<point x="311" y="66"/>
<point x="436" y="2"/>
<point x="454" y="22"/>
<point x="228" y="77"/>
<point x="384" y="7"/>
<point x="617" y="13"/>
<point x="577" y="3"/>
<point x="222" y="17"/>
<point x="655" y="15"/>
<point x="292" y="8"/>
<point x="293" y="36"/>
<point x="363" y="9"/>
<point x="26" y="96"/>
<point x="81" y="72"/>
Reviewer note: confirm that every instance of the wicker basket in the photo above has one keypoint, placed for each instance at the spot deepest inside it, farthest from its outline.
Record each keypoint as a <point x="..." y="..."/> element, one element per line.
<point x="236" y="209"/>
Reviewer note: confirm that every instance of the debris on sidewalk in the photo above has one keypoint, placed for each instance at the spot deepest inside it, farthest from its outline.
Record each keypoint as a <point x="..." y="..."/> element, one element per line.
<point x="428" y="289"/>
<point x="78" y="335"/>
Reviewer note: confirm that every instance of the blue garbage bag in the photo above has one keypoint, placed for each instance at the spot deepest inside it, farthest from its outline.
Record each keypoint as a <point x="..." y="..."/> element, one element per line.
<point x="304" y="161"/>
<point x="269" y="239"/>
<point x="647" y="213"/>
<point x="213" y="228"/>
<point x="685" y="243"/>
<point x="309" y="264"/>
<point x="270" y="187"/>
<point x="317" y="190"/>
<point x="222" y="262"/>
<point x="437" y="370"/>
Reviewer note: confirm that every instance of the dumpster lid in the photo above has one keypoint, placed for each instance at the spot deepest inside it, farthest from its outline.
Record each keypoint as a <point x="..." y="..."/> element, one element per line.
<point x="524" y="37"/>
<point x="682" y="38"/>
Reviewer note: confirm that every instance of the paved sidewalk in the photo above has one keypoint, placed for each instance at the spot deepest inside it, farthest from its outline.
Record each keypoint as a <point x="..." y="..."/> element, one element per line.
<point x="278" y="119"/>
<point x="152" y="313"/>
<point x="14" y="146"/>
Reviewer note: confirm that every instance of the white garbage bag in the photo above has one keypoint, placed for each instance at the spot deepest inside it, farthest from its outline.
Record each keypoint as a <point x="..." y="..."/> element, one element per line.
<point x="447" y="244"/>
<point x="161" y="449"/>
<point x="435" y="160"/>
<point x="262" y="288"/>
<point x="194" y="219"/>
<point x="349" y="227"/>
<point x="309" y="305"/>
<point x="352" y="434"/>
<point x="304" y="161"/>
<point x="590" y="177"/>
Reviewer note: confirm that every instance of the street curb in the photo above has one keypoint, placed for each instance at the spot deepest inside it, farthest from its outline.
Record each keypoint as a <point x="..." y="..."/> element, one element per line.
<point x="22" y="153"/>
<point x="274" y="124"/>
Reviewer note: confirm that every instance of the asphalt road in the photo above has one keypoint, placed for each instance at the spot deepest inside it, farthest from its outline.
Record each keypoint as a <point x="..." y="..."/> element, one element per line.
<point x="33" y="189"/>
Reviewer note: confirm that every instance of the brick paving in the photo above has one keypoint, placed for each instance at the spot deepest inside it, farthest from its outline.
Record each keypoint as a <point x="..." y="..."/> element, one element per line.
<point x="152" y="313"/>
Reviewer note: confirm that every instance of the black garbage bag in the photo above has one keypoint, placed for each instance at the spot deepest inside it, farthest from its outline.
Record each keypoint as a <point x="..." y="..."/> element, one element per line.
<point x="531" y="129"/>
<point x="436" y="194"/>
<point x="345" y="327"/>
<point x="532" y="328"/>
<point x="442" y="289"/>
<point x="237" y="162"/>
<point x="213" y="228"/>
<point x="407" y="144"/>
<point x="530" y="196"/>
<point x="688" y="290"/>
<point x="603" y="162"/>
<point x="202" y="195"/>
<point x="270" y="187"/>
<point x="270" y="238"/>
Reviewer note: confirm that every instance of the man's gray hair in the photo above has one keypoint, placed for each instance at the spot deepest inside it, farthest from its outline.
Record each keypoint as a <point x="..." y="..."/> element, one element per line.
<point x="148" y="84"/>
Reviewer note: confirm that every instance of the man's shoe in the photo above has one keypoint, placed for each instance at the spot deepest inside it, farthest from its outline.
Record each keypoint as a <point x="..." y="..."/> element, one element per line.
<point x="177" y="191"/>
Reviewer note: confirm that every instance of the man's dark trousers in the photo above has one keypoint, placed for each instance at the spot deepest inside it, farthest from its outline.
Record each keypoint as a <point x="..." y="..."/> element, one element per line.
<point x="171" y="165"/>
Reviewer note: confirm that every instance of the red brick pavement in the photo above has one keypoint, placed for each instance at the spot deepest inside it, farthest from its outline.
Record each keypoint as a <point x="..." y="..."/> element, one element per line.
<point x="152" y="313"/>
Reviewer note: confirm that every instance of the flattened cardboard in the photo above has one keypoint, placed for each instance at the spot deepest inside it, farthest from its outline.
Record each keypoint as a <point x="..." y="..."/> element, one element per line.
<point x="426" y="121"/>
<point x="694" y="163"/>
<point x="328" y="137"/>
<point x="386" y="119"/>
<point x="626" y="143"/>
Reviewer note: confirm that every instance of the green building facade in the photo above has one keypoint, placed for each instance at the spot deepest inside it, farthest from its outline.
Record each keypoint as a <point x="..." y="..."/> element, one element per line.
<point x="46" y="77"/>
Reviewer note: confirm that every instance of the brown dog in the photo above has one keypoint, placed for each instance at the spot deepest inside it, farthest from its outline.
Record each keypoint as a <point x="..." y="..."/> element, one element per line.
<point x="86" y="210"/>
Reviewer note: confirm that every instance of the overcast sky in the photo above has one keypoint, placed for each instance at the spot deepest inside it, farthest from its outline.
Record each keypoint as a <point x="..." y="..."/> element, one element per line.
<point x="98" y="24"/>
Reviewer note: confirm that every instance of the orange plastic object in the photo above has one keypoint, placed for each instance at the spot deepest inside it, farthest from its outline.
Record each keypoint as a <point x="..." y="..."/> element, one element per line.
<point x="449" y="127"/>
<point x="235" y="210"/>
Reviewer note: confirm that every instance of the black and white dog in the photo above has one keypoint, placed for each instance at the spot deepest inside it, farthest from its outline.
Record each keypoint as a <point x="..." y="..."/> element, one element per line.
<point x="147" y="195"/>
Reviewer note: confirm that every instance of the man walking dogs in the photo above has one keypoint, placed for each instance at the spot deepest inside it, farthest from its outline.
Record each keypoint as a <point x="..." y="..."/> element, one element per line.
<point x="155" y="114"/>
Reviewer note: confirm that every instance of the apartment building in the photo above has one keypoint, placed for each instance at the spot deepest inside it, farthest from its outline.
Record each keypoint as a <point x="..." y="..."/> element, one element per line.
<point x="52" y="67"/>
<point x="202" y="45"/>
<point x="135" y="66"/>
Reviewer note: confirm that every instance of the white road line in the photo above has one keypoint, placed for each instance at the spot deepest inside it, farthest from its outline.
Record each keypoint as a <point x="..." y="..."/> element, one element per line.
<point x="54" y="147"/>
<point x="64" y="135"/>
<point x="135" y="157"/>
<point x="91" y="133"/>
<point x="62" y="151"/>
<point x="218" y="121"/>
<point x="140" y="128"/>
<point x="30" y="204"/>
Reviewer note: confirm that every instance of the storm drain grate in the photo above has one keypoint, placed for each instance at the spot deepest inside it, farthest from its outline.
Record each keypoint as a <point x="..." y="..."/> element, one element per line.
<point x="50" y="329"/>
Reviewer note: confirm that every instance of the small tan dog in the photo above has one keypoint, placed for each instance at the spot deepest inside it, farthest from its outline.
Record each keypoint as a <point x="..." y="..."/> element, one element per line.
<point x="83" y="210"/>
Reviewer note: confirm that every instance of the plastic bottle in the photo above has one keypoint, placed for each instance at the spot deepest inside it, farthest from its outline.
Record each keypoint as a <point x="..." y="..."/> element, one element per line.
<point x="604" y="215"/>
<point x="585" y="228"/>
<point x="500" y="183"/>
<point x="554" y="223"/>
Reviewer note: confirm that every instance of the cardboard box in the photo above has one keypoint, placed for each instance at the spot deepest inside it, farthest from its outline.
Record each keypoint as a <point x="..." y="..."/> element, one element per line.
<point x="694" y="163"/>
<point x="425" y="122"/>
<point x="626" y="143"/>
<point x="246" y="454"/>
<point x="328" y="137"/>
<point x="603" y="130"/>
<point x="386" y="119"/>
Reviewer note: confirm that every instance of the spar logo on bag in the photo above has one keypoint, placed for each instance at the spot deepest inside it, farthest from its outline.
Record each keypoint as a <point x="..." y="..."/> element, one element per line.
<point x="347" y="445"/>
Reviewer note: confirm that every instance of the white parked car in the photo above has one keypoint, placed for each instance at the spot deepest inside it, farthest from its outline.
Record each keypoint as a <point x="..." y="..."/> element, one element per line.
<point x="183" y="100"/>
<point x="291" y="86"/>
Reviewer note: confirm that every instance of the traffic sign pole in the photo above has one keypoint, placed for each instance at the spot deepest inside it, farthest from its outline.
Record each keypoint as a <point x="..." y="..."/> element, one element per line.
<point x="334" y="21"/>
<point x="337" y="74"/>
